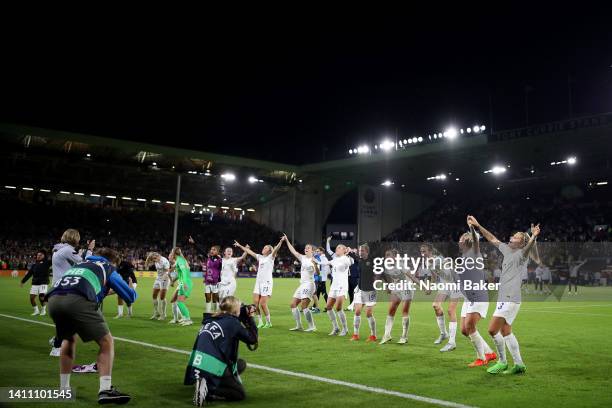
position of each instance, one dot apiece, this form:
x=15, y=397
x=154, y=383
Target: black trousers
x=322, y=290
x=230, y=389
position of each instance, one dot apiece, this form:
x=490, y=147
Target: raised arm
x=328, y=248
x=246, y=249
x=291, y=248
x=277, y=247
x=473, y=223
x=535, y=231
x=243, y=256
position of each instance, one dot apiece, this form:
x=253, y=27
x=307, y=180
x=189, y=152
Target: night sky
x=306, y=91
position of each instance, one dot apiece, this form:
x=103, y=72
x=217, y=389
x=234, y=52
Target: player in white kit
x=263, y=283
x=161, y=284
x=304, y=293
x=516, y=256
x=338, y=290
x=398, y=276
x=434, y=261
x=229, y=269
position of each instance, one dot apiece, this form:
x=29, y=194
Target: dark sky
x=303, y=91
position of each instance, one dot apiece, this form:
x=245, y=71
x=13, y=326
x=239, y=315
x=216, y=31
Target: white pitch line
x=360, y=387
x=568, y=313
x=568, y=307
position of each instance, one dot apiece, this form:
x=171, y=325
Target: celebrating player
x=396, y=275
x=229, y=269
x=365, y=294
x=444, y=276
x=516, y=255
x=160, y=286
x=304, y=293
x=181, y=266
x=340, y=265
x=263, y=283
x=476, y=302
x=39, y=272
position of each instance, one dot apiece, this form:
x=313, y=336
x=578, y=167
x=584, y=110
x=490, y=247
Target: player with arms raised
x=304, y=293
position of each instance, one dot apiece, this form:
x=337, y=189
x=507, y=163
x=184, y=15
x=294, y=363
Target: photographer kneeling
x=214, y=366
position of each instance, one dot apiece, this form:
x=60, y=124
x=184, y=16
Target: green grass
x=564, y=344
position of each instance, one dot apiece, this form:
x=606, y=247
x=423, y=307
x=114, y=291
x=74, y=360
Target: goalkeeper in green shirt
x=181, y=267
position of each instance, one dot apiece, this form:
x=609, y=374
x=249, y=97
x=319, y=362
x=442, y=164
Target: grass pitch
x=565, y=346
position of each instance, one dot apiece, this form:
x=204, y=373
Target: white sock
x=175, y=310
x=259, y=317
x=268, y=319
x=513, y=346
x=332, y=318
x=388, y=326
x=130, y=310
x=64, y=381
x=163, y=307
x=441, y=324
x=485, y=345
x=372, y=324
x=215, y=306
x=478, y=344
x=35, y=308
x=405, y=326
x=119, y=310
x=44, y=308
x=356, y=324
x=309, y=318
x=155, y=306
x=452, y=332
x=500, y=345
x=296, y=316
x=343, y=320
x=105, y=382
x=207, y=308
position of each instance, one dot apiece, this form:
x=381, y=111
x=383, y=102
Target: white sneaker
x=311, y=329
x=443, y=336
x=44, y=312
x=155, y=316
x=448, y=347
x=186, y=323
x=385, y=339
x=173, y=321
x=334, y=332
x=55, y=352
x=119, y=316
x=402, y=340
x=36, y=313
x=343, y=333
x=162, y=317
x=296, y=328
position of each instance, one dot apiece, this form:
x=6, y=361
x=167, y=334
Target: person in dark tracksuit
x=39, y=272
x=214, y=366
x=74, y=306
x=126, y=270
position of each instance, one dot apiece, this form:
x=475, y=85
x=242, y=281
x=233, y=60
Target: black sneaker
x=200, y=393
x=113, y=396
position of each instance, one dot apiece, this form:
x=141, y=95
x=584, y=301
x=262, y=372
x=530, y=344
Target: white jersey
x=514, y=266
x=229, y=269
x=265, y=267
x=162, y=266
x=307, y=269
x=340, y=268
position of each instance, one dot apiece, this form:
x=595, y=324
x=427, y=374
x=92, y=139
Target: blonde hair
x=149, y=259
x=467, y=237
x=71, y=236
x=533, y=252
x=176, y=251
x=229, y=305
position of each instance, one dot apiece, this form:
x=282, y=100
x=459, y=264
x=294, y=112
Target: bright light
x=212, y=206
x=27, y=188
x=420, y=139
x=451, y=133
x=42, y=190
x=414, y=140
x=184, y=203
x=250, y=209
x=387, y=145
x=129, y=198
x=170, y=202
x=571, y=160
x=225, y=208
x=437, y=177
x=253, y=179
x=111, y=196
x=461, y=131
x=237, y=209
x=88, y=155
x=387, y=183
x=405, y=141
x=140, y=199
x=79, y=194
x=476, y=129
x=602, y=183
x=93, y=195
x=496, y=170
x=154, y=164
x=483, y=128
x=435, y=135
x=350, y=151
x=228, y=176
x=469, y=130
x=64, y=192
x=410, y=141
x=155, y=201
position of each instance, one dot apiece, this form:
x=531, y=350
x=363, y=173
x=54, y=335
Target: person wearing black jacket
x=365, y=294
x=126, y=270
x=39, y=272
x=214, y=366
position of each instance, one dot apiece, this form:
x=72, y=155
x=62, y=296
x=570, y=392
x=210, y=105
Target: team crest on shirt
x=214, y=329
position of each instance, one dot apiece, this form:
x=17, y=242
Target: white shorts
x=474, y=307
x=38, y=290
x=402, y=295
x=227, y=289
x=338, y=289
x=211, y=288
x=263, y=288
x=507, y=310
x=453, y=294
x=161, y=284
x=367, y=297
x=305, y=291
